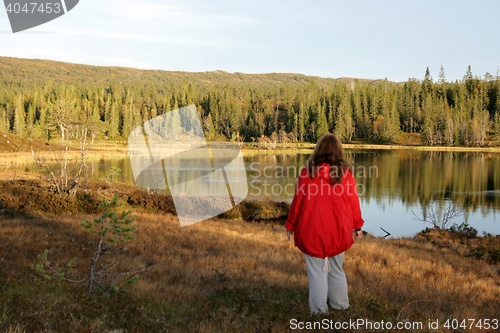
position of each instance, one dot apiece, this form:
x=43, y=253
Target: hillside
x=43, y=70
x=42, y=99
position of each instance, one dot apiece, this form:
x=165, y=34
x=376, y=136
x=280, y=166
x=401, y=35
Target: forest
x=47, y=100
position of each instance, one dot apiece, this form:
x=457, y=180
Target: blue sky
x=393, y=39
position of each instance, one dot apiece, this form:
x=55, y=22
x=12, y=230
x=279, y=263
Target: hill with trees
x=47, y=99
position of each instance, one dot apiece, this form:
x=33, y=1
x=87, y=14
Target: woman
x=325, y=218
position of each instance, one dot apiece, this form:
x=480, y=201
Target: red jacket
x=324, y=216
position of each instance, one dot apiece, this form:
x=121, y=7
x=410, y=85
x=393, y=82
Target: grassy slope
x=25, y=69
x=228, y=275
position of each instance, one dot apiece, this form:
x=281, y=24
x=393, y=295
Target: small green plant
x=112, y=174
x=489, y=253
x=48, y=272
x=110, y=228
x=463, y=229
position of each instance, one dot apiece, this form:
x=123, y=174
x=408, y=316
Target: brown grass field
x=228, y=274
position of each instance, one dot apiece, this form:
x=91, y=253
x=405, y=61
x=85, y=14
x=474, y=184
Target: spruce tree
x=496, y=127
x=469, y=81
x=19, y=116
x=113, y=121
x=426, y=88
x=4, y=121
x=344, y=126
x=302, y=119
x=321, y=123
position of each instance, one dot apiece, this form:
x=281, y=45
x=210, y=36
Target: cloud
x=75, y=56
x=118, y=37
x=179, y=16
x=140, y=23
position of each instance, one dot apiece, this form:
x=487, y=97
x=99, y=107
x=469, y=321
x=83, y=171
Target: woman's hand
x=289, y=233
x=356, y=234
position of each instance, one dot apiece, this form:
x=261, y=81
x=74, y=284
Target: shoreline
x=422, y=148
x=308, y=147
x=103, y=150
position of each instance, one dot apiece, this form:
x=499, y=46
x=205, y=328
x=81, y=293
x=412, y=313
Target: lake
x=397, y=187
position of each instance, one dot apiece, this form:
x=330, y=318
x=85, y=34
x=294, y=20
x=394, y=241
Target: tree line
x=46, y=100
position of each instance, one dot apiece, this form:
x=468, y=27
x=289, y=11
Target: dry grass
x=17, y=159
x=444, y=283
x=229, y=275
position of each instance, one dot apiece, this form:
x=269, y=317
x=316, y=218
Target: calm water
x=394, y=186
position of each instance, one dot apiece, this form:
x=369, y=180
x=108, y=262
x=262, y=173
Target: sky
x=393, y=39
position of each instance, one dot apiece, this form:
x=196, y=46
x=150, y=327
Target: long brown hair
x=328, y=150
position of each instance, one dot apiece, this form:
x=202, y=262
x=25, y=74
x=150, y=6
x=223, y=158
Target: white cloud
x=179, y=16
x=121, y=22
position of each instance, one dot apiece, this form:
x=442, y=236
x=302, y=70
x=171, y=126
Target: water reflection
x=393, y=184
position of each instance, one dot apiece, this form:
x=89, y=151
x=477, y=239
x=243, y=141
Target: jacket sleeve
x=298, y=198
x=358, y=221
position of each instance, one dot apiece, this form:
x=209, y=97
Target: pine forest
x=47, y=100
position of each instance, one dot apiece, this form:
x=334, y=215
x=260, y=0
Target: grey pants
x=327, y=281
